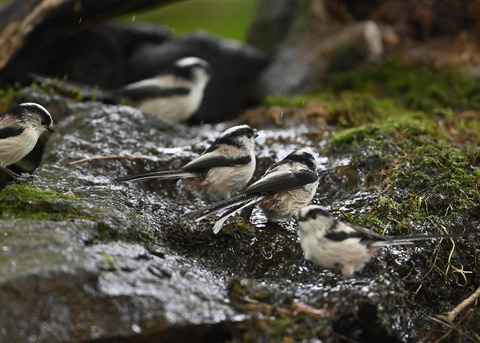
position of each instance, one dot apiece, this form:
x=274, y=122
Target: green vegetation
x=7, y=96
x=392, y=92
x=23, y=201
x=423, y=175
x=417, y=87
x=224, y=18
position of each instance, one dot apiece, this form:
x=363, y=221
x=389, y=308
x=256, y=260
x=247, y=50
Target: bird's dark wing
x=338, y=236
x=10, y=132
x=211, y=160
x=341, y=231
x=143, y=90
x=282, y=180
x=368, y=234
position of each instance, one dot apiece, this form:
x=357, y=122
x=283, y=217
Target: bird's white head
x=34, y=115
x=313, y=218
x=193, y=69
x=242, y=136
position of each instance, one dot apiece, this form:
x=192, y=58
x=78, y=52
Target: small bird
x=281, y=192
x=221, y=170
x=174, y=95
x=334, y=244
x=20, y=128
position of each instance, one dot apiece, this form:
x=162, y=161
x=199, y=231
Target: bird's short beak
x=255, y=133
x=50, y=128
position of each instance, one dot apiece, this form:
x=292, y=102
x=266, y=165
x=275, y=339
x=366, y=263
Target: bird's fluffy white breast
x=13, y=149
x=223, y=182
x=350, y=255
x=177, y=108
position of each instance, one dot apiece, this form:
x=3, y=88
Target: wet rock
x=82, y=280
x=123, y=264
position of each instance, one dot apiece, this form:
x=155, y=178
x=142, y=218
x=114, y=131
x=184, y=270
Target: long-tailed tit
x=281, y=192
x=20, y=128
x=175, y=94
x=222, y=170
x=331, y=243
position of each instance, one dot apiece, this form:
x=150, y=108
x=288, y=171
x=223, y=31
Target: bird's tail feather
x=219, y=206
x=410, y=239
x=232, y=205
x=160, y=175
x=219, y=223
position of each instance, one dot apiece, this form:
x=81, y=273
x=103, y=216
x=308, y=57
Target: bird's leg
x=12, y=174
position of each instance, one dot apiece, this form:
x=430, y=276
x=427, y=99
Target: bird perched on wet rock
x=281, y=192
x=20, y=128
x=334, y=244
x=222, y=170
x=174, y=95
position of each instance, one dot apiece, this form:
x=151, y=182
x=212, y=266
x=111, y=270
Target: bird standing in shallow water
x=334, y=244
x=20, y=128
x=281, y=192
x=222, y=170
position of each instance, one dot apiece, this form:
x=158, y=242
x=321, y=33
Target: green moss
x=417, y=172
x=394, y=92
x=65, y=88
x=22, y=201
x=290, y=101
x=389, y=131
x=7, y=98
x=417, y=87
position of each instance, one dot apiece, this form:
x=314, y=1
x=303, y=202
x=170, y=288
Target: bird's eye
x=314, y=216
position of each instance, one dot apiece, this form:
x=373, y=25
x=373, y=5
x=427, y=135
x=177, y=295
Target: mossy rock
x=24, y=201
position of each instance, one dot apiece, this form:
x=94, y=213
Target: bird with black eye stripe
x=281, y=192
x=334, y=244
x=222, y=170
x=175, y=94
x=20, y=128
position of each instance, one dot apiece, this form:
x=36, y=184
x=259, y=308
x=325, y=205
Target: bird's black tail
x=160, y=175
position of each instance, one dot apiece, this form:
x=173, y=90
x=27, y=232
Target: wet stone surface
x=128, y=266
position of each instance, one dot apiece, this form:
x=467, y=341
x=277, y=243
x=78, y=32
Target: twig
x=442, y=319
x=108, y=157
x=434, y=263
x=463, y=305
x=309, y=310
